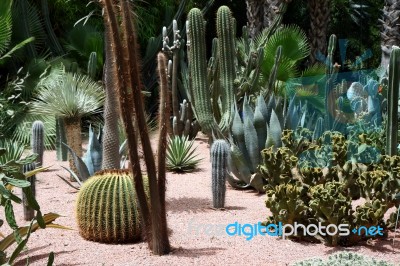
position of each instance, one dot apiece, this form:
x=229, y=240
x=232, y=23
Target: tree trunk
x=254, y=17
x=74, y=139
x=111, y=113
x=271, y=8
x=319, y=11
x=390, y=29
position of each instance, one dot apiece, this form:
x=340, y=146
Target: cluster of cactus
x=107, y=209
x=343, y=258
x=183, y=123
x=319, y=181
x=216, y=85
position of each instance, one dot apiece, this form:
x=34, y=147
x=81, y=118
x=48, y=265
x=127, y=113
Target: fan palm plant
x=69, y=97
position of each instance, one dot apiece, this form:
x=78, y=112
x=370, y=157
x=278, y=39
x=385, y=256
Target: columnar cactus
x=219, y=161
x=106, y=208
x=29, y=213
x=92, y=65
x=198, y=68
x=393, y=97
x=227, y=53
x=37, y=141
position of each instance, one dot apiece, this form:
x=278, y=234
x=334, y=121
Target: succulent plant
x=29, y=213
x=37, y=141
x=107, y=210
x=343, y=258
x=180, y=155
x=219, y=162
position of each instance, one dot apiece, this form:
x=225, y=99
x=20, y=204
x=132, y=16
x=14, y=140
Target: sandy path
x=196, y=238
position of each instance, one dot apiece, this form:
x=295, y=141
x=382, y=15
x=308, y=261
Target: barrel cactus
x=106, y=208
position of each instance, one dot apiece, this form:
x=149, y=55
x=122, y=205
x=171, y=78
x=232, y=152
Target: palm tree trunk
x=111, y=114
x=390, y=29
x=271, y=8
x=319, y=11
x=254, y=17
x=74, y=138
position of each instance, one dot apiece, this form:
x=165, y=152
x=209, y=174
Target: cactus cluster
x=343, y=258
x=107, y=210
x=311, y=181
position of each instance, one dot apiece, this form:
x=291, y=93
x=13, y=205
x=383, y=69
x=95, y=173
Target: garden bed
x=195, y=235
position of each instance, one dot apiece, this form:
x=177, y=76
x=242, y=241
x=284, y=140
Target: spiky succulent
x=181, y=156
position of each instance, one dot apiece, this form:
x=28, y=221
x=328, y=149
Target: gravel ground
x=196, y=234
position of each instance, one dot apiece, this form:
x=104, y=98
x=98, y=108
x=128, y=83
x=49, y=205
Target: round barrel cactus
x=107, y=209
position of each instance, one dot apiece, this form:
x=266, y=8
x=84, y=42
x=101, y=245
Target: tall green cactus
x=106, y=208
x=92, y=65
x=29, y=213
x=393, y=97
x=219, y=161
x=37, y=140
x=62, y=151
x=329, y=100
x=198, y=70
x=227, y=55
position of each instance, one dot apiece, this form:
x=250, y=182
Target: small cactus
x=106, y=208
x=29, y=213
x=37, y=141
x=219, y=159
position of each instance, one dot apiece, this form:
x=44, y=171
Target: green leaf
x=29, y=159
x=17, y=182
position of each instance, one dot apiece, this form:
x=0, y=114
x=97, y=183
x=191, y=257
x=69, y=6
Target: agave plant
x=180, y=155
x=70, y=97
x=90, y=163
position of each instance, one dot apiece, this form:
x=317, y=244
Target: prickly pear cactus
x=106, y=208
x=219, y=161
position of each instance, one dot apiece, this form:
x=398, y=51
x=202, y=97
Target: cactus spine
x=106, y=208
x=37, y=141
x=226, y=53
x=198, y=70
x=393, y=97
x=29, y=213
x=219, y=160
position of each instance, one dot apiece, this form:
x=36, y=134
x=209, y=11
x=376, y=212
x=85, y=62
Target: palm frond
x=22, y=132
x=14, y=150
x=68, y=95
x=5, y=24
x=293, y=40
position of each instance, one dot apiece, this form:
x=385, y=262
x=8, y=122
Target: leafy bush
x=10, y=177
x=180, y=155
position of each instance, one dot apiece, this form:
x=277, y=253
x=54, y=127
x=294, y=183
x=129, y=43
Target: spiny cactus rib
x=198, y=70
x=226, y=47
x=393, y=97
x=219, y=161
x=106, y=208
x=37, y=141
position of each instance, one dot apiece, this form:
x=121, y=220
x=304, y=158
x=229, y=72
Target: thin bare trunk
x=319, y=11
x=74, y=139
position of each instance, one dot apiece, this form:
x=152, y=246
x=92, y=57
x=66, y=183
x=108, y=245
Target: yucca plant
x=70, y=97
x=180, y=155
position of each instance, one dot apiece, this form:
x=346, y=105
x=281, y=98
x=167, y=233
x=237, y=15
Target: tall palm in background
x=261, y=14
x=69, y=97
x=319, y=11
x=390, y=29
